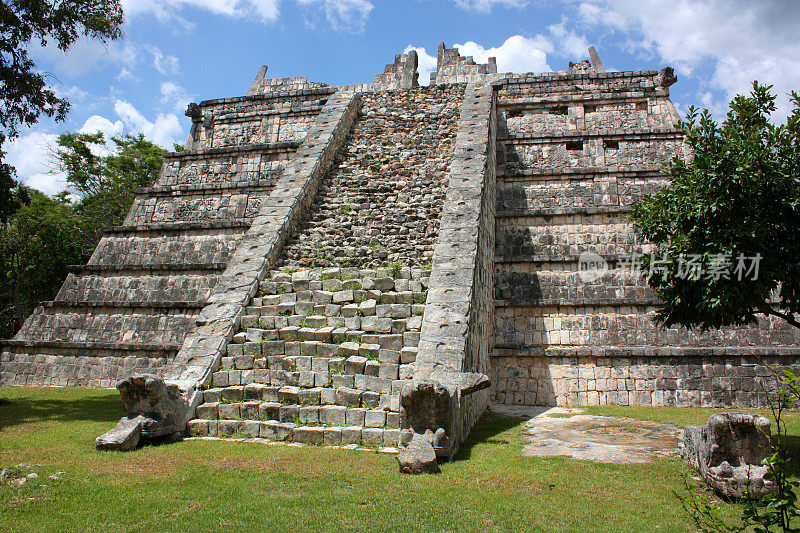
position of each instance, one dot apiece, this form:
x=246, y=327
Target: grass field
x=210, y=485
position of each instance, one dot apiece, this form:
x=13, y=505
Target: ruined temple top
x=451, y=67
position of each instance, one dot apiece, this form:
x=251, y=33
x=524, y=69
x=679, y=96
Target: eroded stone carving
x=728, y=451
x=154, y=409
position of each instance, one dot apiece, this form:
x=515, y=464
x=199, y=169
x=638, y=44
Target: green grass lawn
x=210, y=485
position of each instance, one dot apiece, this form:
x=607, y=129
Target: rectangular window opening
x=589, y=109
x=641, y=106
x=512, y=113
x=611, y=145
x=559, y=110
x=574, y=145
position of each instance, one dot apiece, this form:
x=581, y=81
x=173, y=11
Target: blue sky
x=178, y=51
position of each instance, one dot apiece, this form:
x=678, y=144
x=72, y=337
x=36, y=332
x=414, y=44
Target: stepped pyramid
x=371, y=265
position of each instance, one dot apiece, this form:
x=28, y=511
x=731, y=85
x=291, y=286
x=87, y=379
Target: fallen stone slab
x=124, y=437
x=606, y=439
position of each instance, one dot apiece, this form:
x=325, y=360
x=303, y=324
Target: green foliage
x=394, y=268
x=36, y=246
x=106, y=177
x=777, y=511
x=40, y=236
x=737, y=197
x=24, y=91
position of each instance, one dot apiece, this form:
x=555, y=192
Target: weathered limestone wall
x=685, y=380
x=382, y=200
x=576, y=150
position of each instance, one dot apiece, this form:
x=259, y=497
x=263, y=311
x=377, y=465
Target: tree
x=36, y=247
x=105, y=178
x=43, y=236
x=24, y=94
x=725, y=230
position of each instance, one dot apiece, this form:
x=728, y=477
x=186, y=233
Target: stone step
x=337, y=394
x=395, y=348
x=339, y=435
x=329, y=330
x=155, y=327
x=281, y=146
x=123, y=304
x=177, y=227
x=317, y=414
x=96, y=348
x=170, y=190
x=355, y=371
x=365, y=307
x=164, y=288
x=204, y=246
x=149, y=268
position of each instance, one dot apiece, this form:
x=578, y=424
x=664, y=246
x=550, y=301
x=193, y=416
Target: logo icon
x=591, y=267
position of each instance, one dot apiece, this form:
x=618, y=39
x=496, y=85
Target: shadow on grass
x=30, y=409
x=486, y=430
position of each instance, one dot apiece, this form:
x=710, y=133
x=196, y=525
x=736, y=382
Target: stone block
x=250, y=410
x=372, y=368
x=310, y=396
x=355, y=364
x=197, y=428
x=230, y=410
x=332, y=414
x=391, y=437
x=288, y=413
x=370, y=400
x=332, y=436
x=372, y=437
x=251, y=428
x=269, y=411
x=342, y=380
x=389, y=370
x=386, y=355
x=375, y=418
x=309, y=414
x=355, y=416
x=208, y=411
x=368, y=351
x=348, y=397
x=351, y=435
x=232, y=394
x=229, y=428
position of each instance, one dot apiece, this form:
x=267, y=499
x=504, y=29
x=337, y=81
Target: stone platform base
x=702, y=381
x=24, y=369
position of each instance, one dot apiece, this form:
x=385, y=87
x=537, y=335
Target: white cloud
x=175, y=96
x=97, y=123
x=164, y=130
x=742, y=40
x=164, y=64
x=32, y=154
x=170, y=10
x=568, y=42
x=426, y=63
x=485, y=6
x=516, y=54
x=85, y=55
x=342, y=15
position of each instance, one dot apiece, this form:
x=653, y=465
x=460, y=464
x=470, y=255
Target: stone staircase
x=320, y=359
